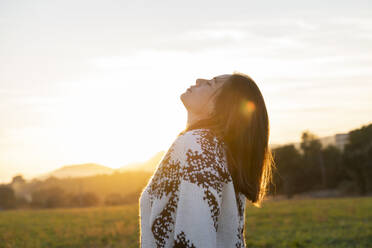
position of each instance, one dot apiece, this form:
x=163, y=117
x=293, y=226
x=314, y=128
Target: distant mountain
x=148, y=166
x=79, y=170
x=92, y=169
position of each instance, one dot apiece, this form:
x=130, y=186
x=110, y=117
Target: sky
x=100, y=81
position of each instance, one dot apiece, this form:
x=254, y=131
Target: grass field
x=332, y=222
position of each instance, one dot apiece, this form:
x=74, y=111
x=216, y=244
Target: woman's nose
x=198, y=81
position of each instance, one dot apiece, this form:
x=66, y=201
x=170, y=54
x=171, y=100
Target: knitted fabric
x=190, y=200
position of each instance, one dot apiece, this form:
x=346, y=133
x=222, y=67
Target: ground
x=326, y=222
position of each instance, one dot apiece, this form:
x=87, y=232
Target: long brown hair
x=240, y=118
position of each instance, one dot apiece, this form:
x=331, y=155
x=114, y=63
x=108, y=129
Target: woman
x=196, y=197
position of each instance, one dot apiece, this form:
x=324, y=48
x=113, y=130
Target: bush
x=85, y=199
x=48, y=198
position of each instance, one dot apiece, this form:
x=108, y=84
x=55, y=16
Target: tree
x=332, y=156
x=313, y=159
x=357, y=158
x=7, y=197
x=18, y=179
x=288, y=162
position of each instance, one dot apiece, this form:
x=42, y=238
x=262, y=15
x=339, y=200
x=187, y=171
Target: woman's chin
x=184, y=96
x=185, y=93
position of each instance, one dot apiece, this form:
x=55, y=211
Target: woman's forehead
x=223, y=76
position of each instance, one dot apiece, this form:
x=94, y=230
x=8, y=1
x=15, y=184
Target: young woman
x=197, y=195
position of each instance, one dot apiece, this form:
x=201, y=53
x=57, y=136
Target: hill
x=92, y=169
x=78, y=170
x=148, y=166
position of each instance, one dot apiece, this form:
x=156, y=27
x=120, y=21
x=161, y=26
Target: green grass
x=332, y=222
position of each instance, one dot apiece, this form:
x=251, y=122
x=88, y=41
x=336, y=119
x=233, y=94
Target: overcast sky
x=100, y=81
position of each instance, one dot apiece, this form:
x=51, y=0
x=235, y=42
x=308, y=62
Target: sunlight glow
x=94, y=93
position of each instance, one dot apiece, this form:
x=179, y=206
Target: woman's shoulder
x=200, y=139
x=200, y=145
x=194, y=132
x=204, y=158
x=198, y=134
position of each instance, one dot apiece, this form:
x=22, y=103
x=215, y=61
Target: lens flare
x=248, y=107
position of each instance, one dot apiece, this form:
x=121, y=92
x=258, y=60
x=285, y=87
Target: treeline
x=313, y=167
x=100, y=190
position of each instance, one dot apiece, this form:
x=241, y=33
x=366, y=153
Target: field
x=331, y=222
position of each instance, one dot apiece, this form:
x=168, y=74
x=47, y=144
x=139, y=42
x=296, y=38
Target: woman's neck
x=192, y=119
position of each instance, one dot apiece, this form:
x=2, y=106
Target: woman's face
x=199, y=98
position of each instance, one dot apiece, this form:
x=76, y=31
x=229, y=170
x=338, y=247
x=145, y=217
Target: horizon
x=31, y=177
x=91, y=81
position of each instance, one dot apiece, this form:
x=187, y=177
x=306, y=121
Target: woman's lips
x=191, y=87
